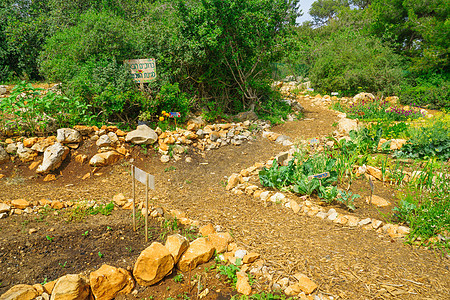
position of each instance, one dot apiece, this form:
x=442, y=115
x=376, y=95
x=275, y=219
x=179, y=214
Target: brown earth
x=347, y=263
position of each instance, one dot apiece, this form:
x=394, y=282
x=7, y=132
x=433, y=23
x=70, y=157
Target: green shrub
x=432, y=91
x=348, y=61
x=27, y=110
x=430, y=140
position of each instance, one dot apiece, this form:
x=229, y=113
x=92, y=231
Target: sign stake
x=146, y=207
x=134, y=198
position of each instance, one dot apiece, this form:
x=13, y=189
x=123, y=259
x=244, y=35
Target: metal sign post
x=149, y=181
x=371, y=188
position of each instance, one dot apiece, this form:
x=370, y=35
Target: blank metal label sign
x=319, y=176
x=140, y=176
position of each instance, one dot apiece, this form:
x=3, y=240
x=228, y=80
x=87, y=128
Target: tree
x=323, y=11
x=234, y=41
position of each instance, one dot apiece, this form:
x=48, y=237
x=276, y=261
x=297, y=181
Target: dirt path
x=345, y=262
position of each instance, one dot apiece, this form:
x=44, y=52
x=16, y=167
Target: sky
x=304, y=6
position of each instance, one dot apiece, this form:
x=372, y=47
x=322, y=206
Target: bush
x=26, y=110
x=171, y=99
x=348, y=61
x=432, y=91
x=430, y=140
x=88, y=59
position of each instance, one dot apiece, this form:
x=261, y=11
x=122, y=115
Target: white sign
x=140, y=176
x=142, y=70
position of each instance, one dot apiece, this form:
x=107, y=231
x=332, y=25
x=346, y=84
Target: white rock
x=142, y=135
x=53, y=157
x=103, y=141
x=240, y=253
x=68, y=136
x=277, y=197
x=333, y=216
x=165, y=158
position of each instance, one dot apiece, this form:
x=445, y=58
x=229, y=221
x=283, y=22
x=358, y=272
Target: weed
x=178, y=278
x=347, y=199
x=171, y=168
x=49, y=238
x=100, y=254
x=129, y=249
x=63, y=265
x=188, y=181
x=45, y=281
x=104, y=209
x=230, y=272
x=85, y=233
x=108, y=228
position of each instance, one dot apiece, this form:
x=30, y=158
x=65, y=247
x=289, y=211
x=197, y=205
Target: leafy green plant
x=63, y=265
x=49, y=238
x=178, y=278
x=85, y=233
x=347, y=198
x=104, y=209
x=305, y=186
x=28, y=110
x=100, y=254
x=430, y=140
x=230, y=272
x=328, y=193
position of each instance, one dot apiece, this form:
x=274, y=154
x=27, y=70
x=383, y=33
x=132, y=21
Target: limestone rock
x=242, y=284
x=220, y=241
x=104, y=159
x=29, y=142
x=207, y=229
x=364, y=96
x=396, y=144
x=25, y=154
x=199, y=251
x=70, y=287
x=68, y=136
x=346, y=125
x=11, y=148
x=41, y=145
x=84, y=130
x=233, y=181
x=20, y=203
x=4, y=208
x=165, y=158
x=107, y=282
x=103, y=141
x=294, y=206
x=142, y=135
x=305, y=284
x=377, y=201
x=176, y=244
x=153, y=264
x=250, y=257
x=375, y=172
x=4, y=157
x=53, y=157
x=120, y=199
x=20, y=292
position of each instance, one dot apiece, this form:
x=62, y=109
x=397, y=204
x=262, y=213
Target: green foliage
x=430, y=140
x=36, y=113
x=389, y=129
x=328, y=193
x=349, y=60
x=431, y=90
x=88, y=59
x=234, y=43
x=171, y=99
x=427, y=213
x=347, y=198
x=230, y=272
x=104, y=209
x=323, y=11
x=379, y=110
x=295, y=175
x=178, y=278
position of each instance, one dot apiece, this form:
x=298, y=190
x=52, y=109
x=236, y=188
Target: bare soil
x=347, y=263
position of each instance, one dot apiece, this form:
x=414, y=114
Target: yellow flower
x=163, y=112
x=161, y=119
